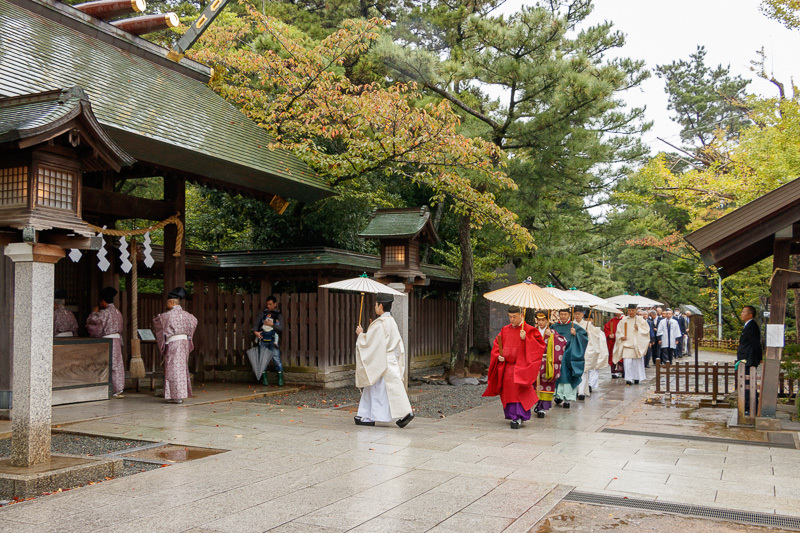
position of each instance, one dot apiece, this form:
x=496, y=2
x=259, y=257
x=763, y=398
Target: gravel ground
x=428, y=401
x=87, y=445
x=80, y=444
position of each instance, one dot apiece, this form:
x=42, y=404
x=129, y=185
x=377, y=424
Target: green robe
x=572, y=362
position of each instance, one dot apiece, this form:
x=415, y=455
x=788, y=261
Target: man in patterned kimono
x=106, y=322
x=551, y=364
x=596, y=355
x=64, y=323
x=380, y=369
x=514, y=366
x=173, y=331
x=573, y=363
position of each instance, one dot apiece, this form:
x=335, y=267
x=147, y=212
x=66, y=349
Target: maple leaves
x=297, y=92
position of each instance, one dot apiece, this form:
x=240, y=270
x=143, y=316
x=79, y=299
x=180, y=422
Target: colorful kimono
x=64, y=323
x=107, y=323
x=173, y=331
x=380, y=372
x=573, y=362
x=550, y=371
x=513, y=379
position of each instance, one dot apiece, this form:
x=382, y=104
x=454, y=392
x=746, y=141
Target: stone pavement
x=307, y=469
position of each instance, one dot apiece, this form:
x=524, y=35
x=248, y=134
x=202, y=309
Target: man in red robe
x=516, y=360
x=610, y=330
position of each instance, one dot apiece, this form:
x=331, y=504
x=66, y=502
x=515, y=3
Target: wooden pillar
x=323, y=324
x=174, y=267
x=777, y=316
x=200, y=334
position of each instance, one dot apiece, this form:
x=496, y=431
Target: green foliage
x=704, y=100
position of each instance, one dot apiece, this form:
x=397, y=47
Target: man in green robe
x=572, y=363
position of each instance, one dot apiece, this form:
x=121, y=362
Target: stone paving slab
x=311, y=469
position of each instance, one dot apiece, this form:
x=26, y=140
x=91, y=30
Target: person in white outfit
x=669, y=332
x=596, y=355
x=380, y=367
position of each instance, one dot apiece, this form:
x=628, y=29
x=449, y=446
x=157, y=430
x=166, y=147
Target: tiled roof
x=400, y=223
x=159, y=114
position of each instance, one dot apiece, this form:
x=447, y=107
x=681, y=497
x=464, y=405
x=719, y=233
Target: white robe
x=636, y=340
x=380, y=369
x=596, y=355
x=669, y=337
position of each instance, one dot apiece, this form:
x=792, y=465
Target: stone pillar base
x=61, y=472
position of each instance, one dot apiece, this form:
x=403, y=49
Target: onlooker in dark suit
x=749, y=349
x=652, y=353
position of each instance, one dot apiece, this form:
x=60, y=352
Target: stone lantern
x=401, y=232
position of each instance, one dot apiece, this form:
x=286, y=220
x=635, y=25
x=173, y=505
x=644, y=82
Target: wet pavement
x=292, y=468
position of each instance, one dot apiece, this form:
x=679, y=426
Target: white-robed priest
x=633, y=339
x=380, y=367
x=596, y=355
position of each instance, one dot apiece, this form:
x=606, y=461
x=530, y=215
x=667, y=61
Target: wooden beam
x=68, y=242
x=772, y=358
x=122, y=206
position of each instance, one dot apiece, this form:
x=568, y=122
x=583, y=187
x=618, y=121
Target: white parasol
x=527, y=295
x=361, y=284
x=624, y=299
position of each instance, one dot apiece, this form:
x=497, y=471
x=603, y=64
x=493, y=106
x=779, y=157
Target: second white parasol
x=362, y=284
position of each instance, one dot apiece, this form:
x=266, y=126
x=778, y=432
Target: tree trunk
x=458, y=352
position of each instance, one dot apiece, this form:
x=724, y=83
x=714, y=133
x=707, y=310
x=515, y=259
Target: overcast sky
x=664, y=31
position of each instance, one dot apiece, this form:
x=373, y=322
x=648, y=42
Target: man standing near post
x=749, y=349
x=514, y=366
x=173, y=331
x=380, y=368
x=633, y=340
x=106, y=322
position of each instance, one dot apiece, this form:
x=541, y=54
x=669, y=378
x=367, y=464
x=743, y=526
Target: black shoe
x=614, y=376
x=516, y=424
x=628, y=383
x=566, y=405
x=635, y=381
x=360, y=422
x=558, y=401
x=540, y=414
x=590, y=389
x=581, y=397
x=403, y=422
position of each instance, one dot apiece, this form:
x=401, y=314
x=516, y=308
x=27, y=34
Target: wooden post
x=323, y=324
x=740, y=392
x=772, y=359
x=174, y=267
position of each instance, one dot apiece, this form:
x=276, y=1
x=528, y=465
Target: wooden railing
x=706, y=379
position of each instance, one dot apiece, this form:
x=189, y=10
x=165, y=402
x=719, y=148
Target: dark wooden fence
x=318, y=335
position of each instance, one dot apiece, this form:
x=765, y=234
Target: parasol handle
x=522, y=327
x=361, y=309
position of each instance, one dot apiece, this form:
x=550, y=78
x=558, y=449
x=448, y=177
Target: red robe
x=611, y=329
x=513, y=378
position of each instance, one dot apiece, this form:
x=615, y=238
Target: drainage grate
x=732, y=515
x=785, y=444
